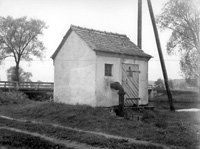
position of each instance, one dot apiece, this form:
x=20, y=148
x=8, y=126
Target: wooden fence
x=26, y=85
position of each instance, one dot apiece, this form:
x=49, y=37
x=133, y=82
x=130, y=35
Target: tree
x=191, y=82
x=19, y=39
x=182, y=17
x=159, y=84
x=23, y=76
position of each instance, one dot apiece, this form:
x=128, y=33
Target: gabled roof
x=105, y=42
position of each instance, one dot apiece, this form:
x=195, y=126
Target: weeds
x=148, y=116
x=13, y=97
x=15, y=140
x=65, y=134
x=161, y=123
x=160, y=126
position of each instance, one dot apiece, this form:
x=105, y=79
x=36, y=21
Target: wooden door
x=130, y=83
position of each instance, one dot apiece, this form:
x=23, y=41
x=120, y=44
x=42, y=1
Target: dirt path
x=66, y=143
x=130, y=140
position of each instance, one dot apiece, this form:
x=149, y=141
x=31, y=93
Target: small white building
x=87, y=61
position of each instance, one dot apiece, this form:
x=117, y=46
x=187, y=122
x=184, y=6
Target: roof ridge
x=98, y=31
x=104, y=41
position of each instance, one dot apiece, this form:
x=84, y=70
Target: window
x=108, y=70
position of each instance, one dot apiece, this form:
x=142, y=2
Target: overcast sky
x=118, y=16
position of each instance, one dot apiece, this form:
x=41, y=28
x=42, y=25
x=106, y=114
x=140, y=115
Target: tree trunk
x=198, y=83
x=17, y=72
x=198, y=68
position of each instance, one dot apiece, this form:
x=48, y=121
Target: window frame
x=108, y=70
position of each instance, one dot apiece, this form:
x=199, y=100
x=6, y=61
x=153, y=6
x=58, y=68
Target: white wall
x=108, y=97
x=74, y=75
x=105, y=96
x=79, y=74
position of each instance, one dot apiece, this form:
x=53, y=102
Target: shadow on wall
x=107, y=96
x=107, y=82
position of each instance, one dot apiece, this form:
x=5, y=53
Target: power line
x=84, y=60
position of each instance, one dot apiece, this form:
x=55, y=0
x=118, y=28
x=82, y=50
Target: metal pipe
x=121, y=93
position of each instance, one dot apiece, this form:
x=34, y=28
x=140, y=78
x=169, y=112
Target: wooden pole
x=139, y=37
x=170, y=99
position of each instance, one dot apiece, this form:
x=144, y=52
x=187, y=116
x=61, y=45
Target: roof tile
x=109, y=42
x=105, y=42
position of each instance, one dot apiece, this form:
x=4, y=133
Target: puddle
x=188, y=110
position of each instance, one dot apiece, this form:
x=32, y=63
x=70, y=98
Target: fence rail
x=26, y=85
x=150, y=86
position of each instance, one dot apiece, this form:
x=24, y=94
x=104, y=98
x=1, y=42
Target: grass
x=180, y=96
x=181, y=100
x=60, y=133
x=15, y=140
x=161, y=126
x=13, y=97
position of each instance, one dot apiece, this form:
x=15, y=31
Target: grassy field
x=161, y=126
x=15, y=140
x=182, y=100
x=179, y=96
x=64, y=134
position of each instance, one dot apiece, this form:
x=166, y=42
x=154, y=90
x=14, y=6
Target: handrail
x=150, y=86
x=24, y=85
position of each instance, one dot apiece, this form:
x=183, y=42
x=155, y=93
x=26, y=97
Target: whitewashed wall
x=108, y=97
x=79, y=74
x=105, y=96
x=74, y=74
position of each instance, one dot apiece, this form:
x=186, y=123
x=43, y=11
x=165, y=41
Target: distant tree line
x=176, y=84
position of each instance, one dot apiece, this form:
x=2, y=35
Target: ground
x=158, y=128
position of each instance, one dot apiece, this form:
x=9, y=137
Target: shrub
x=161, y=123
x=13, y=97
x=148, y=116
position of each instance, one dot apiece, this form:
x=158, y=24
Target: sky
x=118, y=16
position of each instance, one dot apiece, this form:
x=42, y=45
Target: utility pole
x=170, y=99
x=139, y=35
